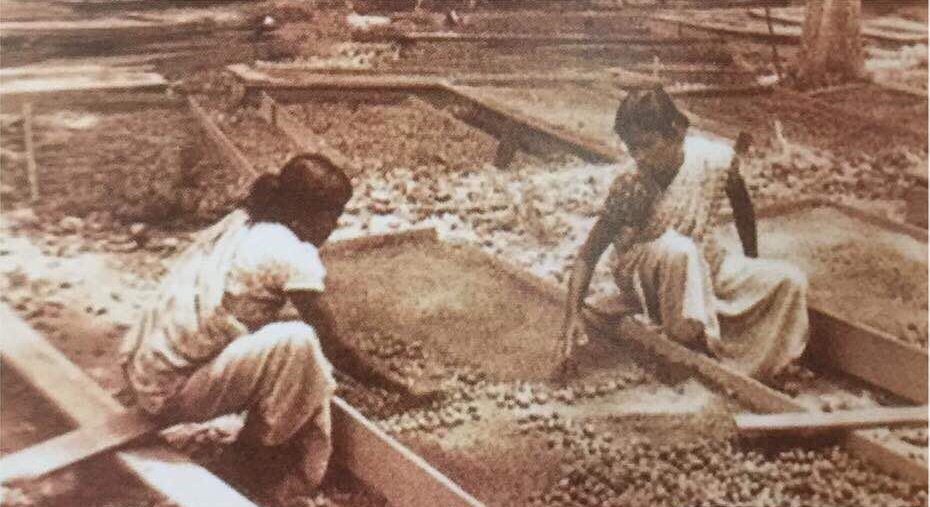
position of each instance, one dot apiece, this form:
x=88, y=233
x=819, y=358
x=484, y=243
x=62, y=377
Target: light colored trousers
x=751, y=312
x=280, y=376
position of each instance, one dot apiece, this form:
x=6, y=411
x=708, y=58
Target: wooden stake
x=31, y=168
x=775, y=58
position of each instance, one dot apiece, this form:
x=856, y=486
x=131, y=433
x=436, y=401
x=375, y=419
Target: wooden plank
x=869, y=27
x=32, y=169
x=714, y=91
x=85, y=403
x=75, y=446
x=297, y=78
x=91, y=30
x=724, y=29
x=810, y=422
x=226, y=148
x=868, y=354
x=672, y=68
x=393, y=470
x=544, y=39
x=901, y=88
x=31, y=71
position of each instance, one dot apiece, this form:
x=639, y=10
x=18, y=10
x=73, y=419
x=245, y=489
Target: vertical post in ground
x=32, y=170
x=775, y=59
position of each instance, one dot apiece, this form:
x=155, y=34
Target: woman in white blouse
x=213, y=342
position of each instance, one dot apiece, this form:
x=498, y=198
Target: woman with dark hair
x=660, y=217
x=213, y=343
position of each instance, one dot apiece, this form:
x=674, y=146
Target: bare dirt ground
x=82, y=263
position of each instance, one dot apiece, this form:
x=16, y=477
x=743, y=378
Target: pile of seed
x=468, y=396
x=712, y=473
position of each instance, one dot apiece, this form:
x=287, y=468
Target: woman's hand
x=574, y=333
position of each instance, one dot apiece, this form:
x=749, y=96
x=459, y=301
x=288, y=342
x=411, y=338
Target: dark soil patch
x=126, y=164
x=884, y=105
x=407, y=134
x=813, y=122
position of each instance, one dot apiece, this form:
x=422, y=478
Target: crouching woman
x=212, y=342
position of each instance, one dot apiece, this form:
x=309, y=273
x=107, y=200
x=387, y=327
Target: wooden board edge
x=808, y=422
x=227, y=150
x=373, y=241
x=869, y=446
x=868, y=354
x=389, y=467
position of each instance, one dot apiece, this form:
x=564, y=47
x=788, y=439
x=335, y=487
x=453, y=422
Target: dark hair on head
x=307, y=183
x=648, y=112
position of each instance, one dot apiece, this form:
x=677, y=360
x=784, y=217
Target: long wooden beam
x=85, y=403
x=99, y=29
x=868, y=28
x=530, y=39
x=816, y=422
x=226, y=148
x=393, y=470
x=730, y=30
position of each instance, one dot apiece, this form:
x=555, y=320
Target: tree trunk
x=831, y=51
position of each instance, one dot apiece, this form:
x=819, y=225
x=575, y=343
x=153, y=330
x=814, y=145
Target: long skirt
x=752, y=313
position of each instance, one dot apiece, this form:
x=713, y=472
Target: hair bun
x=263, y=193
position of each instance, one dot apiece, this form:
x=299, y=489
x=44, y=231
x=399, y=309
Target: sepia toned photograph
x=463, y=253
